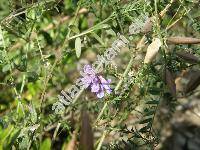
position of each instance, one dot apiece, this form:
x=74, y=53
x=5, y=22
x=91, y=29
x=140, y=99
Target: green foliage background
x=38, y=59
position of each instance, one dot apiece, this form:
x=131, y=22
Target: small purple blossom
x=97, y=83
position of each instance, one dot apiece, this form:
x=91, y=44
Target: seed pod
x=183, y=40
x=86, y=136
x=188, y=57
x=170, y=82
x=147, y=25
x=193, y=82
x=152, y=50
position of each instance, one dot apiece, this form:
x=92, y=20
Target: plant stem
x=102, y=139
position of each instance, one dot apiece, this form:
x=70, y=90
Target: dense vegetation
x=152, y=100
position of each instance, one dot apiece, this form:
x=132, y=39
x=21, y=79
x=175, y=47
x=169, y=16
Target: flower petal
x=95, y=87
x=109, y=90
x=103, y=80
x=100, y=94
x=86, y=81
x=105, y=84
x=88, y=70
x=109, y=80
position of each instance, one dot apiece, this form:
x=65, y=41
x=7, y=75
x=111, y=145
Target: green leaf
x=145, y=121
x=102, y=26
x=149, y=113
x=6, y=68
x=98, y=39
x=21, y=64
x=155, y=102
x=105, y=26
x=144, y=129
x=111, y=32
x=33, y=114
x=32, y=76
x=24, y=142
x=114, y=23
x=46, y=144
x=154, y=90
x=137, y=135
x=74, y=29
x=5, y=134
x=47, y=37
x=78, y=47
x=13, y=137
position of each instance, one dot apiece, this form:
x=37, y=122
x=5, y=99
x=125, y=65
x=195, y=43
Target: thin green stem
x=125, y=73
x=101, y=140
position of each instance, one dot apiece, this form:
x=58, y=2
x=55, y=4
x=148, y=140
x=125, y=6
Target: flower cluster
x=91, y=78
x=96, y=82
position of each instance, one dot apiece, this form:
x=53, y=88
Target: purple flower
x=88, y=75
x=88, y=70
x=96, y=82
